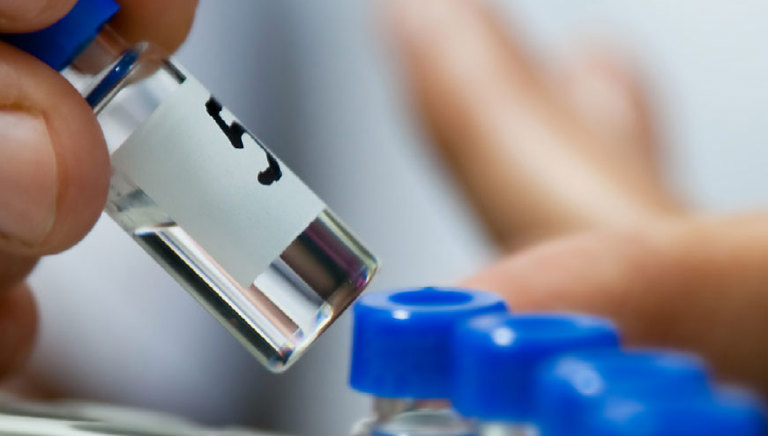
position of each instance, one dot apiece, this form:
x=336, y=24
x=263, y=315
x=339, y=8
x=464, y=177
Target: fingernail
x=601, y=94
x=403, y=14
x=28, y=177
x=418, y=18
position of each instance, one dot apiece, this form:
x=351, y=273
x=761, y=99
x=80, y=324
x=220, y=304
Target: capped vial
x=203, y=196
x=724, y=413
x=401, y=355
x=496, y=359
x=571, y=387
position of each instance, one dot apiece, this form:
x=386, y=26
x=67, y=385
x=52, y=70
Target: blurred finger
x=513, y=147
x=166, y=23
x=695, y=285
x=31, y=15
x=611, y=101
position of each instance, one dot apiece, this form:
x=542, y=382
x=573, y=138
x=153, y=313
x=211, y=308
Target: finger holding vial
x=54, y=171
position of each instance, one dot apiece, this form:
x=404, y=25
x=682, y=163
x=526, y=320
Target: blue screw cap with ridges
x=730, y=413
x=497, y=357
x=403, y=339
x=572, y=385
x=59, y=44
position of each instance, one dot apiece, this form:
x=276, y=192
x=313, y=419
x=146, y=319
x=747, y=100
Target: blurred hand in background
x=562, y=169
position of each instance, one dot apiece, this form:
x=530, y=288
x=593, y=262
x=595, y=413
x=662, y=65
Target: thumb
x=54, y=171
x=54, y=168
x=698, y=285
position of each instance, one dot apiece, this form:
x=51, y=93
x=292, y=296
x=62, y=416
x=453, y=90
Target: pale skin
x=565, y=180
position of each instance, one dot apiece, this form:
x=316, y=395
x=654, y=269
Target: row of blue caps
x=565, y=373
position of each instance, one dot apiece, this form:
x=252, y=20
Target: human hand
x=54, y=171
x=570, y=164
x=537, y=154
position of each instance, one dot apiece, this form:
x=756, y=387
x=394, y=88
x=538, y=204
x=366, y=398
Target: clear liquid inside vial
x=287, y=306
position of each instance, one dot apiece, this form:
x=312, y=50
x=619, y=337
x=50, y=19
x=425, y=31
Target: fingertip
x=429, y=24
x=401, y=17
x=608, y=93
x=165, y=23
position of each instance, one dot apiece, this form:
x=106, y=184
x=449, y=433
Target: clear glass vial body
x=400, y=417
x=319, y=267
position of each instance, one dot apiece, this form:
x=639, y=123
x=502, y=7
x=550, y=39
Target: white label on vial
x=228, y=192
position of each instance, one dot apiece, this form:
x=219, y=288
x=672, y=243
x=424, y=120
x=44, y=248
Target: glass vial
x=402, y=352
x=203, y=196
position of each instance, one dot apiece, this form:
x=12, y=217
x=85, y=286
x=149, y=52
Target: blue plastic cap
x=572, y=385
x=402, y=343
x=59, y=44
x=497, y=356
x=724, y=413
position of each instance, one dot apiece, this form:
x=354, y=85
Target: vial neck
x=109, y=64
x=506, y=429
x=386, y=408
x=103, y=51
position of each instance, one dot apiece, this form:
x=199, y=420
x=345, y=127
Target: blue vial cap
x=497, y=357
x=728, y=413
x=402, y=343
x=571, y=386
x=59, y=44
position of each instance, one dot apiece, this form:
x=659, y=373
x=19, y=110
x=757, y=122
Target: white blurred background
x=316, y=82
